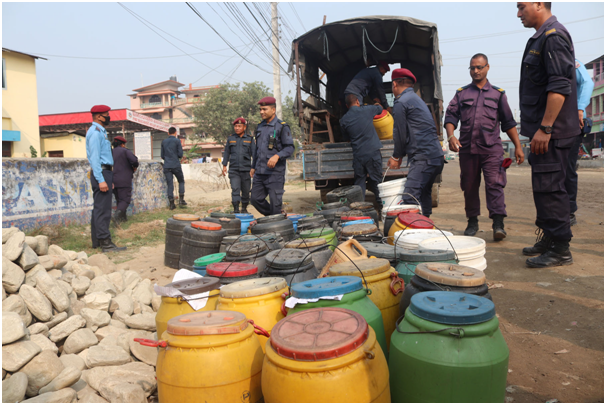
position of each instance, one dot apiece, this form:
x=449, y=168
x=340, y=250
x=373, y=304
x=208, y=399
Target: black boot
x=558, y=254
x=542, y=245
x=573, y=220
x=498, y=227
x=108, y=246
x=118, y=217
x=172, y=204
x=182, y=203
x=236, y=205
x=124, y=217
x=472, y=226
x=244, y=205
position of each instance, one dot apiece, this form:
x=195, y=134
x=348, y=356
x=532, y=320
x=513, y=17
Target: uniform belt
x=107, y=167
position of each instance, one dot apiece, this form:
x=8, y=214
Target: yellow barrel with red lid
x=409, y=221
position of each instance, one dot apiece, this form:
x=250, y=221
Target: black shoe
x=244, y=205
x=172, y=204
x=119, y=216
x=573, y=220
x=498, y=227
x=236, y=207
x=472, y=226
x=557, y=255
x=108, y=246
x=182, y=203
x=124, y=217
x=542, y=245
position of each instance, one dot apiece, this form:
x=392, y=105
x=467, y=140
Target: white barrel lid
x=410, y=238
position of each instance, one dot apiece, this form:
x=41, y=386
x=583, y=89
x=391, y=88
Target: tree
x=291, y=119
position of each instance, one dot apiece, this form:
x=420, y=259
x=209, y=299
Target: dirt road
x=552, y=319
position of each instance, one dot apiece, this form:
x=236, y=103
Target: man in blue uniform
x=172, y=152
x=358, y=125
x=415, y=136
x=584, y=90
x=239, y=151
x=99, y=154
x=548, y=102
x=274, y=145
x=125, y=164
x=369, y=82
x=480, y=107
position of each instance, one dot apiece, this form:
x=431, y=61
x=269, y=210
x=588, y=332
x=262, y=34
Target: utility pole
x=276, y=57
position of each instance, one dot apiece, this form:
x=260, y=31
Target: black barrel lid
x=382, y=251
x=359, y=229
x=197, y=285
x=271, y=218
x=360, y=205
x=287, y=258
x=221, y=215
x=238, y=249
x=427, y=256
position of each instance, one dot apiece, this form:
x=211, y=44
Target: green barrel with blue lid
x=408, y=261
x=448, y=348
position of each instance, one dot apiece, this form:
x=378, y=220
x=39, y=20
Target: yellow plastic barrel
x=175, y=306
x=260, y=299
x=384, y=125
x=386, y=286
x=408, y=221
x=210, y=356
x=324, y=355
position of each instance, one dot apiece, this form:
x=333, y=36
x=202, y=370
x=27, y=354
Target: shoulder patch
x=577, y=64
x=283, y=123
x=498, y=89
x=462, y=88
x=551, y=31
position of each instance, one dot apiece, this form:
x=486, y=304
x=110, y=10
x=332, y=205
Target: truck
x=327, y=58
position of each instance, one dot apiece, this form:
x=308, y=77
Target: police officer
x=358, y=125
x=369, y=81
x=172, y=152
x=548, y=101
x=99, y=154
x=480, y=107
x=415, y=136
x=584, y=90
x=125, y=164
x=274, y=145
x=239, y=151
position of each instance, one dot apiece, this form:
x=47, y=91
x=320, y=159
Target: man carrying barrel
x=369, y=82
x=239, y=151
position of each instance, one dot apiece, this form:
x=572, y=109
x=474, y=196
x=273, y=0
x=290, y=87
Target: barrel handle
x=369, y=355
x=151, y=343
x=283, y=306
x=395, y=279
x=319, y=207
x=258, y=330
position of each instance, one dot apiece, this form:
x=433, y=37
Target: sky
x=99, y=52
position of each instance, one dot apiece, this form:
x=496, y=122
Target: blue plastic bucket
x=245, y=220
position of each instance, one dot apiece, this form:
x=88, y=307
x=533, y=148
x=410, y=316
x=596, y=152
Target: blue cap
x=358, y=221
x=451, y=308
x=323, y=287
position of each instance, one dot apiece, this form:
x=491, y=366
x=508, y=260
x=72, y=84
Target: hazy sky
x=84, y=31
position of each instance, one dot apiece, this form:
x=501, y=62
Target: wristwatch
x=546, y=129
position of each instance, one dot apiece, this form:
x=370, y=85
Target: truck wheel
x=323, y=192
x=435, y=195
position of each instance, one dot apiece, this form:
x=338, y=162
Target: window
x=155, y=99
x=156, y=116
x=55, y=153
x=3, y=76
x=6, y=148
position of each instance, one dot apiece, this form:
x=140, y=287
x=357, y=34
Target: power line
x=268, y=37
x=298, y=18
x=134, y=58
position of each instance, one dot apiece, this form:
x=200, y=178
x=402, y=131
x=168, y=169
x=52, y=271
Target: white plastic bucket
x=470, y=250
x=394, y=199
x=391, y=192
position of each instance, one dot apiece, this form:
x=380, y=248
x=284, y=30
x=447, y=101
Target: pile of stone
x=68, y=324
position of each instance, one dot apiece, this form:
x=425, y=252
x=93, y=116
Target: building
x=595, y=110
x=20, y=130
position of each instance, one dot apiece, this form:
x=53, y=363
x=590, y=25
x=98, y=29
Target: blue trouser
x=240, y=183
x=123, y=197
x=372, y=167
x=495, y=179
x=420, y=179
x=264, y=185
x=572, y=178
x=102, y=208
x=549, y=191
x=168, y=173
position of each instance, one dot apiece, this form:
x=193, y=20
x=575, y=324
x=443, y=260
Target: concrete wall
x=57, y=191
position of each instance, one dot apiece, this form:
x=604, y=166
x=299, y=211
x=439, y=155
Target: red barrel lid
x=422, y=222
x=207, y=323
x=353, y=218
x=231, y=269
x=383, y=114
x=319, y=334
x=208, y=226
x=396, y=212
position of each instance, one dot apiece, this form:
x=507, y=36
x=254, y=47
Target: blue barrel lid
x=358, y=221
x=295, y=218
x=322, y=287
x=451, y=308
x=244, y=216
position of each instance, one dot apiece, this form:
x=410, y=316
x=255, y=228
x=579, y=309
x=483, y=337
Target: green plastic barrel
x=326, y=232
x=355, y=298
x=408, y=261
x=448, y=348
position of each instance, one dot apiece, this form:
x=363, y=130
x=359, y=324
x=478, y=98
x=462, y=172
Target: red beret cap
x=384, y=65
x=402, y=73
x=100, y=109
x=119, y=138
x=267, y=101
x=239, y=121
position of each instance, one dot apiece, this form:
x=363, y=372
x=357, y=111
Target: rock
x=98, y=272
x=108, y=330
x=122, y=302
x=14, y=303
x=18, y=354
x=42, y=246
x=121, y=389
x=66, y=286
x=67, y=377
x=77, y=307
x=97, y=300
x=41, y=370
x=68, y=277
x=32, y=242
x=36, y=303
x=131, y=279
x=14, y=387
x=55, y=273
x=56, y=320
x=80, y=340
x=51, y=289
x=147, y=309
x=80, y=284
x=82, y=258
x=120, y=316
x=82, y=356
x=66, y=395
x=66, y=328
x=95, y=318
x=7, y=233
x=83, y=270
x=44, y=343
x=106, y=356
x=102, y=284
x=156, y=302
x=57, y=251
x=13, y=247
x=72, y=360
x=145, y=321
x=117, y=279
x=137, y=307
x=145, y=375
x=121, y=341
x=28, y=258
x=146, y=354
x=72, y=255
x=52, y=261
x=103, y=262
x=38, y=327
x=12, y=276
x=142, y=293
x=91, y=398
x=32, y=274
x=13, y=327
x=3, y=293
x=118, y=324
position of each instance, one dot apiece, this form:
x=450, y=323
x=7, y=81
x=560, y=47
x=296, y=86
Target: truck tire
x=351, y=193
x=435, y=195
x=323, y=193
